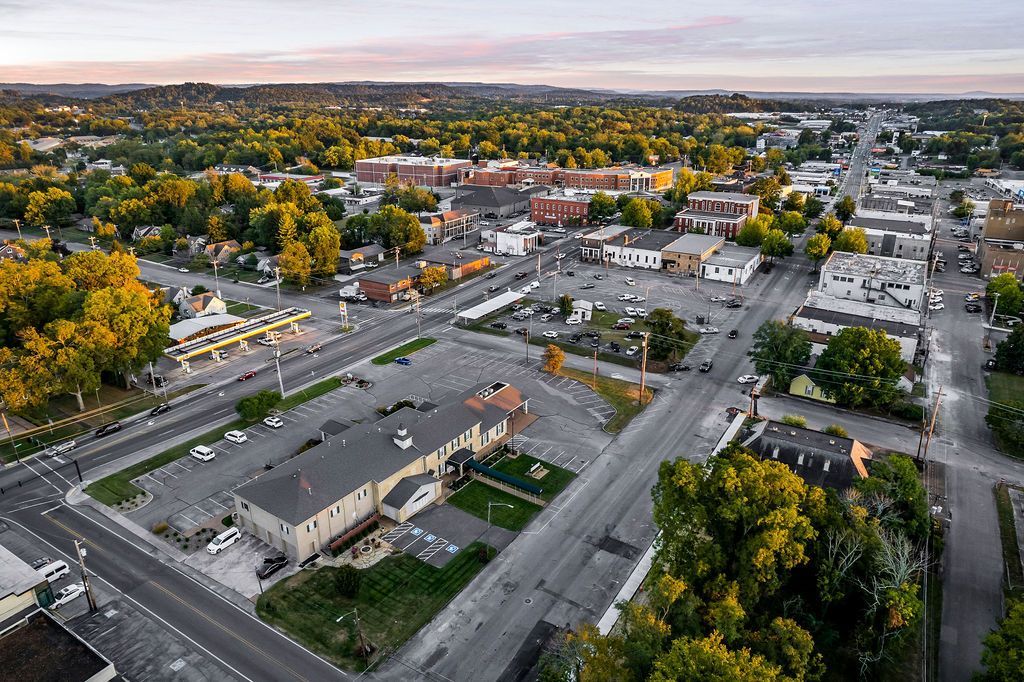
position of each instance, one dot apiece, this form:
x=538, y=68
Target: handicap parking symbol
x=417, y=531
x=429, y=538
x=451, y=549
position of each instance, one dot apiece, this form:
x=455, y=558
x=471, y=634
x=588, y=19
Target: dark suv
x=678, y=367
x=271, y=565
x=106, y=429
x=706, y=365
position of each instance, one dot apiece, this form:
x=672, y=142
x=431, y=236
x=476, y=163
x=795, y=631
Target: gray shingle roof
x=405, y=489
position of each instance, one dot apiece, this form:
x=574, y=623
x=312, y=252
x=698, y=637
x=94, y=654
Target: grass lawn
x=622, y=395
x=1013, y=574
x=239, y=308
x=585, y=351
x=1004, y=387
x=396, y=597
x=314, y=391
x=474, y=496
x=553, y=482
x=404, y=349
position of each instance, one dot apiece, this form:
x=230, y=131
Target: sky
x=905, y=46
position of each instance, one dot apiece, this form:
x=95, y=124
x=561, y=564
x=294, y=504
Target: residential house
x=391, y=467
x=197, y=244
x=805, y=387
x=202, y=305
x=222, y=252
x=144, y=231
x=368, y=253
x=448, y=225
x=820, y=459
x=11, y=251
x=174, y=295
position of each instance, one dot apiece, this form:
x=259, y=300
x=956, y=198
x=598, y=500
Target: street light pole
x=216, y=279
x=359, y=631
x=277, y=362
x=277, y=285
x=995, y=304
x=489, y=505
x=80, y=552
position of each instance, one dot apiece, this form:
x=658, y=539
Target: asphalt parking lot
x=440, y=532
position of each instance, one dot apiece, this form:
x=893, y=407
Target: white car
x=545, y=317
x=718, y=299
x=560, y=256
x=630, y=282
x=534, y=285
x=182, y=269
x=968, y=270
x=578, y=235
x=273, y=422
x=632, y=350
x=599, y=306
x=641, y=312
x=202, y=453
x=525, y=290
x=66, y=595
x=551, y=334
x=625, y=297
x=573, y=321
x=264, y=341
x=748, y=379
x=625, y=320
x=639, y=299
x=236, y=436
x=61, y=448
x=708, y=330
x=938, y=292
x=631, y=312
x=936, y=306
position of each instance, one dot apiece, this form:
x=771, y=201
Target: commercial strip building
x=893, y=282
x=206, y=334
x=685, y=254
x=625, y=178
x=637, y=248
x=1001, y=248
x=390, y=468
x=518, y=239
x=592, y=243
x=721, y=214
x=895, y=235
x=824, y=316
x=732, y=264
x=423, y=171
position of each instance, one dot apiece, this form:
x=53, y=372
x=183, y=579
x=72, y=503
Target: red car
x=248, y=375
x=621, y=325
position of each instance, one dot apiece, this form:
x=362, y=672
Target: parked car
x=635, y=335
x=641, y=312
x=734, y=303
x=107, y=429
x=315, y=348
x=748, y=379
x=626, y=320
x=630, y=282
x=545, y=317
x=632, y=350
x=972, y=297
x=202, y=453
x=968, y=270
x=615, y=347
x=570, y=273
x=273, y=422
x=625, y=297
x=522, y=331
x=40, y=562
x=592, y=333
x=499, y=325
x=621, y=325
x=550, y=334
x=224, y=540
x=639, y=299
x=706, y=365
x=405, y=362
x=718, y=299
x=990, y=363
x=182, y=269
x=271, y=565
x=972, y=308
x=237, y=437
x=572, y=320
x=678, y=367
x=66, y=595
x=599, y=276
x=733, y=333
x=936, y=306
x=598, y=305
x=631, y=311
x=575, y=338
x=247, y=375
x=588, y=285
x=159, y=409
x=264, y=341
x=708, y=330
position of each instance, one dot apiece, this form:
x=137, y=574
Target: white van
x=54, y=571
x=225, y=539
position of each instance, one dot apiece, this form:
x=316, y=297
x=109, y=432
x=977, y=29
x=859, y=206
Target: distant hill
x=73, y=90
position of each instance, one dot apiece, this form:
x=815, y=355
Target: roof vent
x=792, y=433
x=831, y=441
x=774, y=428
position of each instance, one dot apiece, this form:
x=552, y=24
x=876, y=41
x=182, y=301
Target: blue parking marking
x=451, y=549
x=417, y=531
x=429, y=538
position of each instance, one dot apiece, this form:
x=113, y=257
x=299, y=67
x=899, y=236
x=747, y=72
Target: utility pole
x=931, y=427
x=92, y=242
x=595, y=369
x=359, y=631
x=277, y=285
x=398, y=250
x=10, y=435
x=277, y=362
x=47, y=228
x=643, y=369
x=80, y=551
x=17, y=226
x=216, y=279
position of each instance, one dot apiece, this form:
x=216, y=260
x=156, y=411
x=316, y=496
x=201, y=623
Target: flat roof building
x=732, y=264
x=686, y=253
x=424, y=171
x=898, y=282
x=637, y=248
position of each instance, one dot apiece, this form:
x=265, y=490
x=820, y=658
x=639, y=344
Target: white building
x=638, y=248
x=825, y=316
x=732, y=264
x=519, y=239
x=895, y=235
x=894, y=282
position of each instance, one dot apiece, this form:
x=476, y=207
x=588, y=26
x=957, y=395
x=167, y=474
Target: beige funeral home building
x=391, y=468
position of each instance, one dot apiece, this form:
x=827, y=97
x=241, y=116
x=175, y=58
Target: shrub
x=160, y=527
x=347, y=579
x=909, y=411
x=257, y=406
x=795, y=420
x=227, y=521
x=836, y=430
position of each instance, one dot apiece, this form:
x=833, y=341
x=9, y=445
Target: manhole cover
x=527, y=601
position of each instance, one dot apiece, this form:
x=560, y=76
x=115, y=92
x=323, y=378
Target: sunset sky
x=838, y=45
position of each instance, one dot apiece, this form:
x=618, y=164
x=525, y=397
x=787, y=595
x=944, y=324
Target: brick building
x=1001, y=248
x=722, y=214
x=626, y=178
x=423, y=171
x=447, y=225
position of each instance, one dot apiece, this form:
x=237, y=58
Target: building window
x=364, y=492
x=809, y=389
x=310, y=527
x=285, y=529
x=245, y=506
x=336, y=511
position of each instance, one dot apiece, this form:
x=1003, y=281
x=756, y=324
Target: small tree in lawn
x=554, y=357
x=257, y=406
x=347, y=579
x=565, y=305
x=797, y=420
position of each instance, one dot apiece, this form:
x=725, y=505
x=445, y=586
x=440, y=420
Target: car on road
x=237, y=437
x=599, y=276
x=160, y=409
x=733, y=333
x=990, y=363
x=598, y=305
x=315, y=348
x=559, y=256
x=202, y=453
x=492, y=289
x=490, y=275
x=630, y=282
x=748, y=379
x=706, y=365
x=972, y=307
x=522, y=331
x=734, y=303
x=61, y=448
x=535, y=285
x=271, y=565
x=182, y=269
x=273, y=422
x=405, y=362
x=936, y=306
x=632, y=350
x=972, y=297
x=718, y=299
x=525, y=290
x=631, y=311
x=247, y=375
x=224, y=540
x=107, y=429
x=66, y=595
x=679, y=367
x=498, y=325
x=570, y=273
x=708, y=330
x=551, y=334
x=588, y=285
x=575, y=337
x=621, y=325
x=521, y=275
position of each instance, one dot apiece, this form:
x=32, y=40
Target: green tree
x=324, y=246
x=851, y=240
x=138, y=329
x=753, y=231
x=1009, y=293
x=601, y=206
x=860, y=367
x=797, y=420
x=295, y=264
x=52, y=207
x=1010, y=352
x=964, y=209
x=637, y=213
x=416, y=199
x=347, y=580
x=257, y=406
x=565, y=305
x=776, y=245
x=794, y=202
x=770, y=191
x=831, y=226
x=813, y=208
x=393, y=227
x=895, y=478
x=1003, y=655
x=780, y=351
x=845, y=208
x=708, y=658
x=433, y=277
x=788, y=645
x=836, y=430
x=791, y=222
x=668, y=335
x=817, y=248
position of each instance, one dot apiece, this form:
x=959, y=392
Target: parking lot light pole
x=359, y=630
x=995, y=304
x=489, y=505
